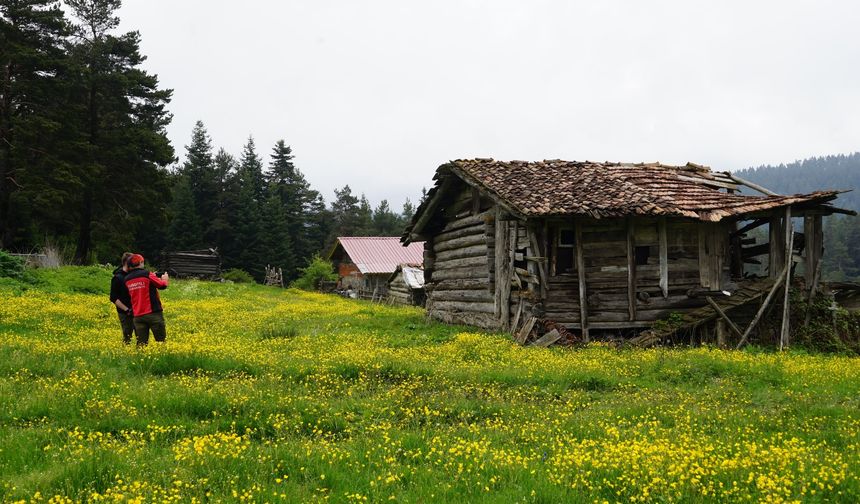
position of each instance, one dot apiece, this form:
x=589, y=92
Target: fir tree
x=407, y=213
x=364, y=218
x=248, y=224
x=345, y=214
x=185, y=231
x=32, y=91
x=385, y=222
x=277, y=239
x=203, y=177
x=121, y=118
x=220, y=232
x=290, y=189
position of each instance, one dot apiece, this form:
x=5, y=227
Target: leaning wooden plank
x=752, y=185
x=548, y=339
x=523, y=335
x=779, y=280
x=725, y=317
x=786, y=307
x=516, y=321
x=631, y=270
x=664, y=257
x=580, y=273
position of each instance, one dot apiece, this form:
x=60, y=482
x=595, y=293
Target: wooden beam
x=580, y=273
x=523, y=335
x=750, y=226
x=813, y=251
x=752, y=185
x=725, y=317
x=777, y=253
x=504, y=270
x=786, y=308
x=664, y=257
x=539, y=259
x=631, y=270
x=431, y=208
x=779, y=280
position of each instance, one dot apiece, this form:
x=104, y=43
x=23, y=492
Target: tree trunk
x=82, y=251
x=5, y=155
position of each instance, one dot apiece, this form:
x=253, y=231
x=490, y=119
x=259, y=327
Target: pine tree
x=320, y=221
x=364, y=218
x=121, y=118
x=345, y=214
x=277, y=239
x=407, y=213
x=290, y=189
x=203, y=178
x=220, y=231
x=185, y=231
x=247, y=223
x=385, y=222
x=251, y=168
x=32, y=118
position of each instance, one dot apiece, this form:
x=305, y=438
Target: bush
x=11, y=266
x=317, y=270
x=237, y=275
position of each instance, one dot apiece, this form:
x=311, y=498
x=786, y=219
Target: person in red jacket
x=143, y=288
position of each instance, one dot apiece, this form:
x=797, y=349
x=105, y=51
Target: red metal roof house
x=364, y=263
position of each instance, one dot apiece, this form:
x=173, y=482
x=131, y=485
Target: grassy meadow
x=268, y=395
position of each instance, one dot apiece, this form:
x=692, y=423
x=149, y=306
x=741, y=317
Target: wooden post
x=721, y=333
x=580, y=272
x=631, y=270
x=786, y=309
x=540, y=264
x=725, y=318
x=776, y=256
x=813, y=250
x=664, y=257
x=503, y=254
x=762, y=308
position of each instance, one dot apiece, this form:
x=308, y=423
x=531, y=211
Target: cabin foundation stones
x=560, y=252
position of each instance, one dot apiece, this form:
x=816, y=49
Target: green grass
x=265, y=394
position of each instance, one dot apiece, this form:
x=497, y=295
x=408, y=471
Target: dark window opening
x=564, y=260
x=565, y=238
x=520, y=258
x=642, y=254
x=562, y=250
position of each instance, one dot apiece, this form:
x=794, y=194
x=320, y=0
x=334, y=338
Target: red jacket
x=143, y=288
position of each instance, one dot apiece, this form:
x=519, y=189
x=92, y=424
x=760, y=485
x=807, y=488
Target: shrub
x=237, y=275
x=317, y=270
x=11, y=266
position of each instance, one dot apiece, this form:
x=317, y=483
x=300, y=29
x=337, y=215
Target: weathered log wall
x=458, y=277
x=665, y=266
x=399, y=292
x=487, y=268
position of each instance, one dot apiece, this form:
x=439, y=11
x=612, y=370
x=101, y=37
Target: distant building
x=406, y=285
x=365, y=263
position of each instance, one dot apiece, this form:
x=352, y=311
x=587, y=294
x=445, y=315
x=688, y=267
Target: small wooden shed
x=406, y=285
x=365, y=263
x=602, y=246
x=205, y=263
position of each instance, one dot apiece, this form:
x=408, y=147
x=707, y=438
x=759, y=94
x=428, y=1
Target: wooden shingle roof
x=605, y=190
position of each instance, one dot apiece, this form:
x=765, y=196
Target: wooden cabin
x=365, y=263
x=602, y=246
x=205, y=263
x=406, y=285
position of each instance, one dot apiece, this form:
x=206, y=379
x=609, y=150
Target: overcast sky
x=377, y=94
